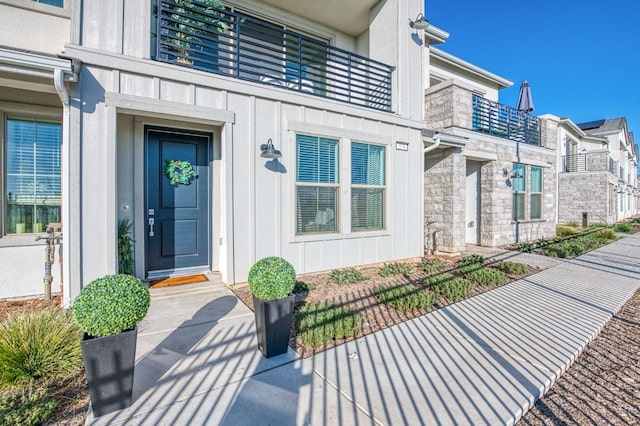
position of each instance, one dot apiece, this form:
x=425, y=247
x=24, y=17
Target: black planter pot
x=108, y=364
x=273, y=324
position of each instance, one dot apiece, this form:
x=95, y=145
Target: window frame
x=382, y=187
x=13, y=109
x=302, y=184
x=526, y=194
x=63, y=12
x=537, y=193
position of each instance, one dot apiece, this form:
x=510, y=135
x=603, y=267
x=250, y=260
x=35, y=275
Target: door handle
x=152, y=222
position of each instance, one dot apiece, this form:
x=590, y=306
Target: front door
x=472, y=202
x=177, y=203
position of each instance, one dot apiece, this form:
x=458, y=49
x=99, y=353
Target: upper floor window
x=57, y=3
x=32, y=174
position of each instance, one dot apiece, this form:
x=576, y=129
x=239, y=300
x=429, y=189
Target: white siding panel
x=136, y=36
x=208, y=97
x=369, y=250
x=102, y=25
x=176, y=92
x=23, y=269
x=136, y=84
x=333, y=256
x=313, y=252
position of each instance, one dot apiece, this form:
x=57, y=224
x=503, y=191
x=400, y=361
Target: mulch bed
x=603, y=385
x=359, y=297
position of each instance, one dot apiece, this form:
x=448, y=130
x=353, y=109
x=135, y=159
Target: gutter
x=436, y=140
x=58, y=82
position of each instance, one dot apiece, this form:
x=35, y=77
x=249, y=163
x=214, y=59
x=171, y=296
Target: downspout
x=58, y=82
x=436, y=140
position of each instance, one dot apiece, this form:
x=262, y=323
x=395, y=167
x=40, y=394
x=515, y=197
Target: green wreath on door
x=179, y=172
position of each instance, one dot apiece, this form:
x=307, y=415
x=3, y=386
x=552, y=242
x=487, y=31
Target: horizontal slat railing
x=505, y=122
x=237, y=45
x=588, y=162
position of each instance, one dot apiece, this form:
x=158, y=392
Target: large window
x=317, y=184
x=367, y=187
x=527, y=193
x=32, y=174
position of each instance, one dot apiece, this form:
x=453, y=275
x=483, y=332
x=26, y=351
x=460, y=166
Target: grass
x=42, y=345
x=395, y=269
x=347, y=276
x=320, y=323
x=452, y=287
x=28, y=405
x=404, y=297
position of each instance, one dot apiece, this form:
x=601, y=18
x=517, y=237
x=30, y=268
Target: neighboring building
x=333, y=85
x=598, y=179
x=33, y=127
x=470, y=194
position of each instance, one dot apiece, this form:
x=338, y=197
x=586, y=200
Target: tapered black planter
x=273, y=324
x=108, y=364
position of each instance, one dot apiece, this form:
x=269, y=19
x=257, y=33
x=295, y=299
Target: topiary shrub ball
x=111, y=305
x=272, y=278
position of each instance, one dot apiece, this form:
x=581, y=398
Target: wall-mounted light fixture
x=515, y=173
x=269, y=151
x=420, y=23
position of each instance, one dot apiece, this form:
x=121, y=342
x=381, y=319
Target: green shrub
x=395, y=268
x=26, y=405
x=39, y=345
x=125, y=247
x=486, y=276
x=111, y=305
x=556, y=251
x=512, y=268
x=451, y=287
x=303, y=287
x=565, y=231
x=430, y=266
x=572, y=224
x=606, y=235
x=346, y=276
x=272, y=278
x=623, y=227
x=471, y=260
x=404, y=298
x=434, y=280
x=598, y=225
x=526, y=247
x=320, y=323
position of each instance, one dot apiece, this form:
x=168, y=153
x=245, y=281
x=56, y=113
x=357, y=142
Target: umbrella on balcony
x=525, y=101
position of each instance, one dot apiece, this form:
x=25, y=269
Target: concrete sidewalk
x=484, y=360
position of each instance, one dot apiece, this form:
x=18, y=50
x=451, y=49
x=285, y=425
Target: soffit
x=350, y=17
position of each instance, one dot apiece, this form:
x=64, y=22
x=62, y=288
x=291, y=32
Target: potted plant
x=108, y=310
x=271, y=280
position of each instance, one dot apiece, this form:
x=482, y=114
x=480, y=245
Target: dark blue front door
x=178, y=237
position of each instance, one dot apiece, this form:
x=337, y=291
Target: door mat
x=187, y=279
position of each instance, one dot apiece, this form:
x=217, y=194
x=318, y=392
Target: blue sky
x=581, y=58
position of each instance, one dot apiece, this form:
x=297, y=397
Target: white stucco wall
x=23, y=271
x=34, y=27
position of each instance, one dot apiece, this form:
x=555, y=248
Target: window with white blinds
x=317, y=183
x=367, y=187
x=32, y=174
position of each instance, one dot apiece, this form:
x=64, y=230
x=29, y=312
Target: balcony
x=247, y=48
x=588, y=162
x=505, y=122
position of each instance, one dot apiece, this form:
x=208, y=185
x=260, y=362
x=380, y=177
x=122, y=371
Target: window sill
x=529, y=221
x=20, y=240
x=335, y=236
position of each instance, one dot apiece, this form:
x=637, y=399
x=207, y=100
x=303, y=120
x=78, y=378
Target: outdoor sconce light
x=516, y=174
x=420, y=23
x=269, y=151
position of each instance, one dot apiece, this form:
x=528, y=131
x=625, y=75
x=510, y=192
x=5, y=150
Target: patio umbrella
x=525, y=101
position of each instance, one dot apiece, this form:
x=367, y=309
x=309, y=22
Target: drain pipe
x=65, y=275
x=436, y=140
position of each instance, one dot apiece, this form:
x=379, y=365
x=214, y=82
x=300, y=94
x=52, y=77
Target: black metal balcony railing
x=234, y=44
x=505, y=122
x=588, y=162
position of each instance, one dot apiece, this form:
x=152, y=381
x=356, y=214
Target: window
x=57, y=3
x=317, y=184
x=32, y=174
x=367, y=187
x=535, y=197
x=527, y=195
x=518, y=185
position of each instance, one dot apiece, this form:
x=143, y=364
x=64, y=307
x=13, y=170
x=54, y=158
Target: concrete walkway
x=481, y=361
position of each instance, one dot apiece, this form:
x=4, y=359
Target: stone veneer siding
x=586, y=192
